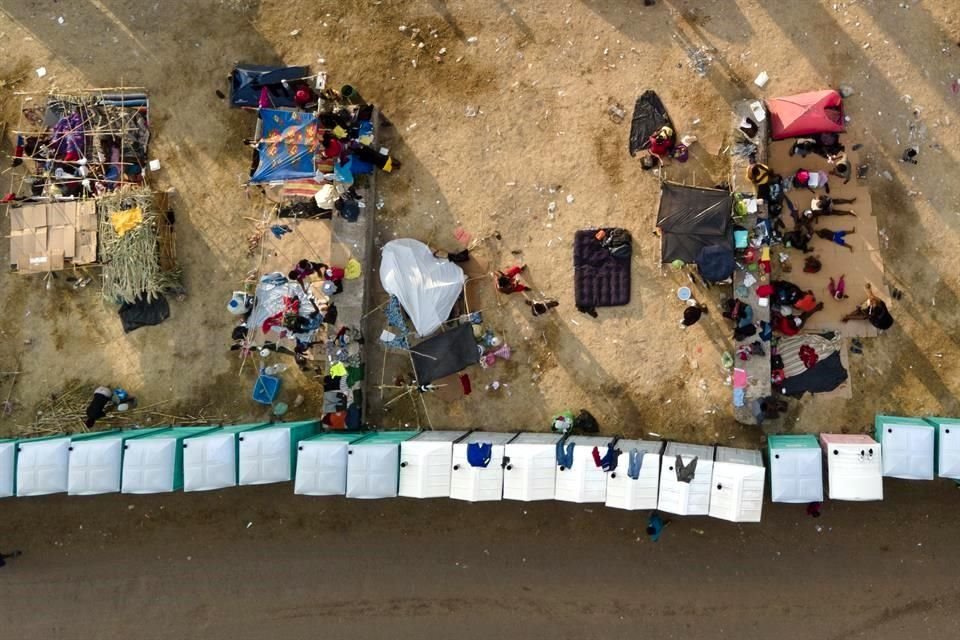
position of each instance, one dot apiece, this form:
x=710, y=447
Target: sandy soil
x=541, y=75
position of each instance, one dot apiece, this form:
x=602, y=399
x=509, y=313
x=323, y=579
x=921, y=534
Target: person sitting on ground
x=838, y=237
x=334, y=275
x=692, y=314
x=102, y=398
x=661, y=143
x=459, y=256
x=841, y=167
x=804, y=179
x=823, y=206
x=799, y=238
x=837, y=289
x=759, y=173
x=790, y=325
x=540, y=307
x=807, y=303
x=304, y=269
x=874, y=310
x=509, y=281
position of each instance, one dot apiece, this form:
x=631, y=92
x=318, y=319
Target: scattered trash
x=910, y=155
x=887, y=175
x=471, y=111
x=762, y=79
x=249, y=524
x=295, y=32
x=846, y=90
x=699, y=532
x=552, y=208
x=154, y=165
x=60, y=20
x=616, y=112
x=41, y=71
x=700, y=60
x=472, y=40
x=569, y=198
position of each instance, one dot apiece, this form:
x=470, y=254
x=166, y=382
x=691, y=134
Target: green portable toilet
x=373, y=465
x=269, y=454
x=154, y=463
x=211, y=460
x=96, y=464
x=908, y=447
x=796, y=468
x=948, y=446
x=322, y=463
x=43, y=464
x=8, y=458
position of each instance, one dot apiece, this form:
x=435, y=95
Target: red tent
x=806, y=114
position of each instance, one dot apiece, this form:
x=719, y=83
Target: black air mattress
x=599, y=279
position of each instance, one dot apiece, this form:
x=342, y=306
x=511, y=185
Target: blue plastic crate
x=265, y=388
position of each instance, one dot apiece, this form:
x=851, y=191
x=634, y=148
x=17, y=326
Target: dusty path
x=188, y=566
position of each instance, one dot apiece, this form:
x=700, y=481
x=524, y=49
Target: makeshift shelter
x=477, y=466
x=530, y=467
x=445, y=353
x=8, y=463
x=248, y=81
x=583, y=480
x=649, y=116
x=426, y=286
x=287, y=141
x=96, y=464
x=269, y=454
x=633, y=493
x=373, y=467
x=52, y=236
x=715, y=263
x=691, y=218
x=854, y=467
x=805, y=114
x=736, y=493
x=796, y=468
x=154, y=463
x=425, y=463
x=322, y=463
x=686, y=498
x=908, y=447
x=947, y=446
x=211, y=460
x=43, y=464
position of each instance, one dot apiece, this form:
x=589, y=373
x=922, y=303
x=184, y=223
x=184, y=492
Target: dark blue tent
x=716, y=263
x=248, y=80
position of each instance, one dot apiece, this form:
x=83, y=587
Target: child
x=540, y=307
x=837, y=289
x=509, y=281
x=837, y=236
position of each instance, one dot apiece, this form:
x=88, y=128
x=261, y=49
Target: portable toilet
x=322, y=463
x=948, y=447
x=583, y=480
x=627, y=492
x=154, y=463
x=796, y=468
x=211, y=460
x=686, y=498
x=530, y=467
x=8, y=459
x=908, y=447
x=479, y=479
x=736, y=492
x=425, y=461
x=269, y=454
x=96, y=464
x=854, y=469
x=373, y=465
x=43, y=464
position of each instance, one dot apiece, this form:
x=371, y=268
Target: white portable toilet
x=530, y=467
x=210, y=461
x=908, y=447
x=96, y=465
x=425, y=462
x=154, y=463
x=736, y=492
x=796, y=468
x=322, y=463
x=686, y=498
x=479, y=483
x=8, y=472
x=624, y=492
x=948, y=447
x=854, y=467
x=583, y=481
x=43, y=464
x=269, y=454
x=373, y=465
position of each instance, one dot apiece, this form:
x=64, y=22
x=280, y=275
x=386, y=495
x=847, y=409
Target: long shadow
x=912, y=361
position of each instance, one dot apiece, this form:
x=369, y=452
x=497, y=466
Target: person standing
x=692, y=315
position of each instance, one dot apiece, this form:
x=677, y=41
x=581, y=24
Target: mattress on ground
x=599, y=279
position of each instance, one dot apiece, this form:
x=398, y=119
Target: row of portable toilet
x=154, y=460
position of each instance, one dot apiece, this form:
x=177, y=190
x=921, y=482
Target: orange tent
x=806, y=114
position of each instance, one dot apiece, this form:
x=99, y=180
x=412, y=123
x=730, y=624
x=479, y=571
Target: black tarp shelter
x=247, y=82
x=649, y=115
x=444, y=354
x=691, y=218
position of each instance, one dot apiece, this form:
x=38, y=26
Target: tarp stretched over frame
x=287, y=145
x=444, y=354
x=691, y=218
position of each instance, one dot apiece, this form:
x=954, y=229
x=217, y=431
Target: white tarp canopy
x=796, y=469
x=908, y=447
x=322, y=464
x=95, y=467
x=478, y=484
x=686, y=498
x=425, y=462
x=149, y=465
x=265, y=457
x=42, y=466
x=736, y=493
x=583, y=481
x=854, y=468
x=948, y=447
x=373, y=471
x=530, y=472
x=210, y=462
x=426, y=286
x=8, y=454
x=625, y=492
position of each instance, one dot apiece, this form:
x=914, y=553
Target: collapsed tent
x=287, y=143
x=691, y=218
x=649, y=115
x=247, y=82
x=445, y=354
x=426, y=286
x=806, y=114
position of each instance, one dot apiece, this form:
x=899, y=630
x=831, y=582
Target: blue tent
x=287, y=145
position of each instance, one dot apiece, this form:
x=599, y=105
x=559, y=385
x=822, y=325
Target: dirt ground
x=540, y=76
